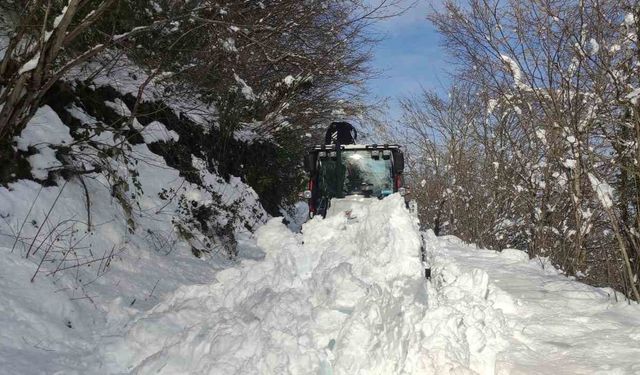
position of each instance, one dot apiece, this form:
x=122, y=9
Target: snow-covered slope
x=102, y=228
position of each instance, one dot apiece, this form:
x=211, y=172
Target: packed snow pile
x=343, y=297
x=347, y=296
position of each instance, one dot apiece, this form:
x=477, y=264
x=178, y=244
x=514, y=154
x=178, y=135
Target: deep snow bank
x=347, y=296
x=342, y=297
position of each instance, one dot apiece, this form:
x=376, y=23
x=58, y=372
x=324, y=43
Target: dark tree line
x=279, y=64
x=280, y=69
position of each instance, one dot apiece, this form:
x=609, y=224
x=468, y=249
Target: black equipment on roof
x=341, y=133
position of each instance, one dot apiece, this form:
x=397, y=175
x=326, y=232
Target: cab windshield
x=356, y=172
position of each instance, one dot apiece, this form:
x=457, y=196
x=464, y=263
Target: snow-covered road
x=553, y=325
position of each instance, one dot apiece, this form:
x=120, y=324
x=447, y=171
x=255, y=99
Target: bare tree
x=557, y=83
x=41, y=50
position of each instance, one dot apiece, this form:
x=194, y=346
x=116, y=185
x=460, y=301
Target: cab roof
x=356, y=147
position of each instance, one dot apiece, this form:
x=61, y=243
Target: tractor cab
x=340, y=171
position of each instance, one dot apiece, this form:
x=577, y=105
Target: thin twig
x=25, y=218
x=46, y=218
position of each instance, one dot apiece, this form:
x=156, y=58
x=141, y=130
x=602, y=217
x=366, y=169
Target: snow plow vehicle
x=351, y=170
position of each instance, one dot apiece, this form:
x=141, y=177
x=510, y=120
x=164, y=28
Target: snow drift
x=89, y=236
x=347, y=296
x=342, y=297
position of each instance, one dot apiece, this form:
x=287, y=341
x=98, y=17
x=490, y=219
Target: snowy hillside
x=98, y=221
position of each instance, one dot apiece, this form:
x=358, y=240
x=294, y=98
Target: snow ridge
x=328, y=301
x=464, y=328
x=347, y=296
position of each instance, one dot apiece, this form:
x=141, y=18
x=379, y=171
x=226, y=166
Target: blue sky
x=409, y=57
